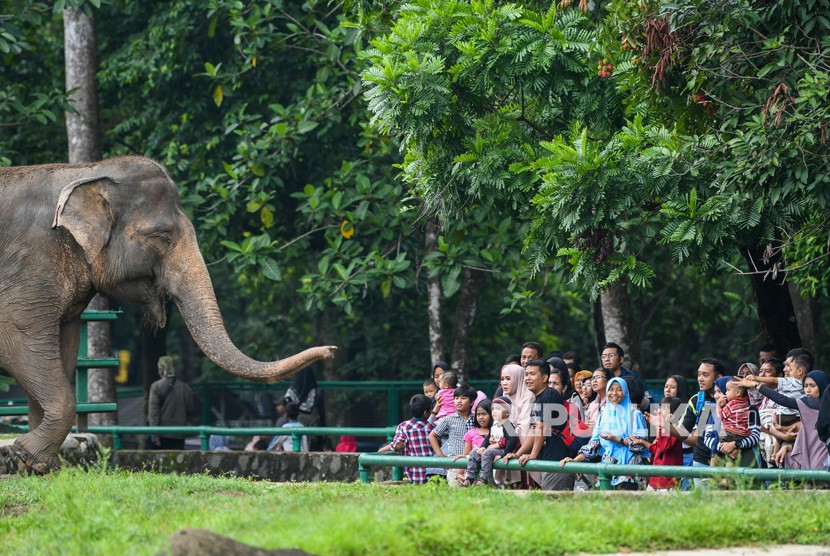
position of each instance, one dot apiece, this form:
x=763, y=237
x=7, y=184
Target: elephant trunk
x=186, y=278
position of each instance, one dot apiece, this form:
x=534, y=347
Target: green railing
x=204, y=432
x=602, y=470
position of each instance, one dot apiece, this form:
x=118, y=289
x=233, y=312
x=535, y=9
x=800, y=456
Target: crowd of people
x=773, y=414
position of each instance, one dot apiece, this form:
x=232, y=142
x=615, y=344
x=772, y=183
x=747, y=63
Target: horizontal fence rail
x=603, y=470
x=204, y=432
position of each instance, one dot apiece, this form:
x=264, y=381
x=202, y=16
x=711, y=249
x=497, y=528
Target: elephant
x=116, y=227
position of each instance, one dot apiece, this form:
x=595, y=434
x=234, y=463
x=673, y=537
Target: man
x=766, y=351
x=612, y=359
x=530, y=351
x=767, y=409
x=700, y=407
x=571, y=357
x=172, y=404
x=548, y=444
x=798, y=363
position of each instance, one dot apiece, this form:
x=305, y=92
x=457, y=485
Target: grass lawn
x=112, y=512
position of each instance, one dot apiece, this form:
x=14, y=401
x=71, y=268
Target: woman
x=676, y=387
x=559, y=368
x=745, y=452
x=582, y=384
x=599, y=382
x=613, y=438
x=808, y=451
x=305, y=392
x=513, y=386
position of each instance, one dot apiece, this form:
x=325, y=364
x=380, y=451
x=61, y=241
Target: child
x=285, y=443
x=475, y=439
x=444, y=399
x=733, y=412
x=430, y=388
x=666, y=449
x=447, y=438
x=500, y=443
x=412, y=437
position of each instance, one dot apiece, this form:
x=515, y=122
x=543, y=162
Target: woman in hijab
x=823, y=423
x=618, y=423
x=745, y=451
x=808, y=451
x=305, y=392
x=513, y=386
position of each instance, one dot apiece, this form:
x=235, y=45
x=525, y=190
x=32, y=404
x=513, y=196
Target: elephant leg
x=70, y=339
x=38, y=369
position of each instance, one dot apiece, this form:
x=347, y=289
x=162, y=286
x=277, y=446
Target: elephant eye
x=162, y=236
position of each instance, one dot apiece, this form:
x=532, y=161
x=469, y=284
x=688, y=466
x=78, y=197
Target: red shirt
x=666, y=450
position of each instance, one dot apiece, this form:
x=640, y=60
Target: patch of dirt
x=14, y=510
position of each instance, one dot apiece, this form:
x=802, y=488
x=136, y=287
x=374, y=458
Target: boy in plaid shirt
x=412, y=437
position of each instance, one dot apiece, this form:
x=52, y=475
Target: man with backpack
x=172, y=404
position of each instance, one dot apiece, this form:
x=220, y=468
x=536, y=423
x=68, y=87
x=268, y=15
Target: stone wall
x=77, y=449
x=272, y=466
x=82, y=449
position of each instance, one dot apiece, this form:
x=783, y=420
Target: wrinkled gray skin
x=117, y=228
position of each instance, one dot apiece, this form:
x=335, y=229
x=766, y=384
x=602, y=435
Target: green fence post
x=604, y=480
x=392, y=406
x=204, y=441
x=296, y=442
x=364, y=473
x=116, y=440
x=397, y=473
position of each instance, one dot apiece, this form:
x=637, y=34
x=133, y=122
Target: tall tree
x=84, y=137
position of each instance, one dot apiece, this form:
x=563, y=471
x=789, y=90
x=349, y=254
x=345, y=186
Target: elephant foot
x=28, y=464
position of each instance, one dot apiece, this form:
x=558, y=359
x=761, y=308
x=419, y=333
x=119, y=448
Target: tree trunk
x=436, y=336
x=772, y=301
x=325, y=330
x=599, y=327
x=84, y=137
x=616, y=319
x=806, y=316
x=465, y=314
x=80, y=49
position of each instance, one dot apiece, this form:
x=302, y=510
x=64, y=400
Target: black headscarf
x=561, y=368
x=303, y=383
x=823, y=421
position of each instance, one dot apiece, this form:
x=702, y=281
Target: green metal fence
x=204, y=432
x=82, y=406
x=603, y=470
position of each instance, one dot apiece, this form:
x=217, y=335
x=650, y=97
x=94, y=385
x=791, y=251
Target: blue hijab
x=622, y=420
x=721, y=384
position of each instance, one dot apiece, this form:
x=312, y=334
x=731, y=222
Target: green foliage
x=33, y=97
x=745, y=92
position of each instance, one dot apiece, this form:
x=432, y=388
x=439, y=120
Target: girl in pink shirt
x=445, y=398
x=476, y=438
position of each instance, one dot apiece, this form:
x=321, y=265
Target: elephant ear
x=86, y=214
